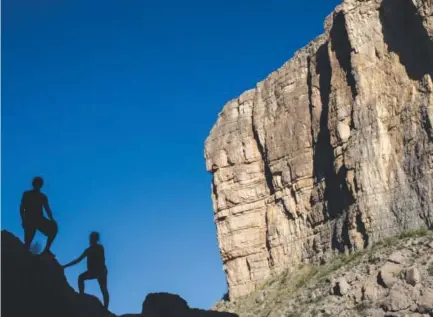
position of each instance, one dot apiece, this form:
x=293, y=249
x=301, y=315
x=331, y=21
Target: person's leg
x=102, y=279
x=29, y=234
x=84, y=276
x=49, y=229
x=52, y=234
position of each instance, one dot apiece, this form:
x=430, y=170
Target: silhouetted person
x=96, y=268
x=31, y=209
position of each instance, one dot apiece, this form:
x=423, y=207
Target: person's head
x=94, y=238
x=37, y=182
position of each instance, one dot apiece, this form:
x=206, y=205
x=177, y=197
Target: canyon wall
x=331, y=152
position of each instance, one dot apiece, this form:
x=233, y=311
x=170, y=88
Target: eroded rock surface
x=348, y=286
x=332, y=151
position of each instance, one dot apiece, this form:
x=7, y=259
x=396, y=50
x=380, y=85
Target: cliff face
x=331, y=152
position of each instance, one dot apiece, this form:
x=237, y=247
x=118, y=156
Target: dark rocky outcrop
x=35, y=285
x=170, y=305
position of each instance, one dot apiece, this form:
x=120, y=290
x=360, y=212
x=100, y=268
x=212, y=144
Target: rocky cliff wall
x=332, y=151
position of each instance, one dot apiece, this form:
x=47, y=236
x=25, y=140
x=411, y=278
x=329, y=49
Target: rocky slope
x=33, y=285
x=331, y=152
x=392, y=279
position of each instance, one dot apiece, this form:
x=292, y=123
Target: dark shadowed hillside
x=33, y=285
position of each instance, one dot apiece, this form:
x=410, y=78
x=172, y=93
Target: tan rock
x=397, y=257
x=425, y=303
x=388, y=274
x=370, y=292
x=399, y=298
x=376, y=313
x=332, y=150
x=340, y=287
x=413, y=276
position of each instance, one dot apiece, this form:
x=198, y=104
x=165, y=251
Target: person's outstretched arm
x=78, y=260
x=22, y=207
x=48, y=209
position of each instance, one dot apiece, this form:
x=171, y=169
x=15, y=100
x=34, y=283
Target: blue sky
x=111, y=102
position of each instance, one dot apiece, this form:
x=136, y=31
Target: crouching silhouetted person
x=96, y=268
x=33, y=202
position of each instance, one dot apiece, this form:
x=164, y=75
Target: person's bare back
x=96, y=268
x=32, y=207
x=33, y=202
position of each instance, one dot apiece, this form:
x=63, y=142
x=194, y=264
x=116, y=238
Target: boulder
x=388, y=274
x=413, y=276
x=425, y=302
x=340, y=287
x=399, y=298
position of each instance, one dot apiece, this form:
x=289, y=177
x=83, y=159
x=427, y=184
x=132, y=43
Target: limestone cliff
x=331, y=152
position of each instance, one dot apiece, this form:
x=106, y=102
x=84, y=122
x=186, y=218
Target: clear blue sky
x=111, y=102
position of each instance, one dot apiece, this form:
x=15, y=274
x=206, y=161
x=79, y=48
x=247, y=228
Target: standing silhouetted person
x=32, y=204
x=96, y=268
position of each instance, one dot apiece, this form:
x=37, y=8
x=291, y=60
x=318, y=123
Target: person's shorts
x=95, y=274
x=44, y=225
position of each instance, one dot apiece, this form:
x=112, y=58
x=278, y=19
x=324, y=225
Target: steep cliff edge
x=35, y=285
x=331, y=152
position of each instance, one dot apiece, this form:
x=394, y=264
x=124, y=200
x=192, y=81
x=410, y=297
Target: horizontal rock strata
x=332, y=151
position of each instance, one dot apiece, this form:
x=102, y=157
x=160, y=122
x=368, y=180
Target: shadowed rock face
x=332, y=151
x=36, y=286
x=170, y=305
